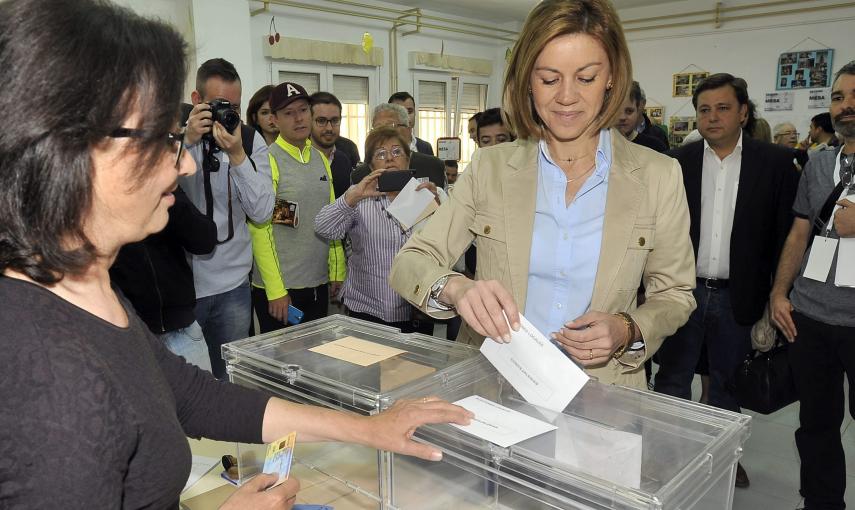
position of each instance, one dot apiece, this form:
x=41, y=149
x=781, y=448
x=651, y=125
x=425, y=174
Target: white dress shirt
x=719, y=186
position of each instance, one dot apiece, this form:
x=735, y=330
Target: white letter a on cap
x=291, y=90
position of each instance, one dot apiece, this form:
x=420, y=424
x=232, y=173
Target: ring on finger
x=424, y=400
x=591, y=354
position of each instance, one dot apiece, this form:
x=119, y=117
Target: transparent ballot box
x=329, y=362
x=614, y=447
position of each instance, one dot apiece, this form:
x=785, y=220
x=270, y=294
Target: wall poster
x=779, y=101
x=679, y=127
x=804, y=69
x=686, y=83
x=656, y=114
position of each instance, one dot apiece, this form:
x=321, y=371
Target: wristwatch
x=436, y=290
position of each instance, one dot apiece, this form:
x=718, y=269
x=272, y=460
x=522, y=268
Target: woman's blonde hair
x=551, y=19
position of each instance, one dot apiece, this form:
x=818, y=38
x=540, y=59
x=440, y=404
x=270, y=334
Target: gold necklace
x=583, y=175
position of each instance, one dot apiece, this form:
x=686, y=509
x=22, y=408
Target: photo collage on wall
x=686, y=83
x=804, y=69
x=656, y=114
x=679, y=127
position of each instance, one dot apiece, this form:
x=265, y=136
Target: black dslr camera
x=222, y=112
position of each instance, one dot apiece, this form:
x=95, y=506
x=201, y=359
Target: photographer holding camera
x=231, y=185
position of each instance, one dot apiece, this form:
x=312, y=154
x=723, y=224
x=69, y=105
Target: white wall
x=302, y=23
x=749, y=49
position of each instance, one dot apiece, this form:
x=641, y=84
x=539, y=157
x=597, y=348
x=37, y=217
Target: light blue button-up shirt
x=565, y=248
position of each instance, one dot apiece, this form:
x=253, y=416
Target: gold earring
x=609, y=85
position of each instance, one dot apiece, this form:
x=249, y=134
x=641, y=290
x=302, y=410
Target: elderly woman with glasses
x=96, y=410
x=375, y=235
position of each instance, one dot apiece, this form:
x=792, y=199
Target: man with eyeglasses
x=293, y=265
x=425, y=165
x=230, y=187
x=326, y=130
x=815, y=308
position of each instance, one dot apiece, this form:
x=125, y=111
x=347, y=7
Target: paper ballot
x=536, y=367
x=499, y=424
x=409, y=206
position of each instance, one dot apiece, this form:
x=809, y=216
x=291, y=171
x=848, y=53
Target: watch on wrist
x=437, y=289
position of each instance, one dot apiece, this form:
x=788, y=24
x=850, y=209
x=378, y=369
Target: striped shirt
x=375, y=238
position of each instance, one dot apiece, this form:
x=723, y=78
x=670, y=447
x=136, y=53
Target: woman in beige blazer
x=571, y=218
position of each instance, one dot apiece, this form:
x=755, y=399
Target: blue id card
x=295, y=315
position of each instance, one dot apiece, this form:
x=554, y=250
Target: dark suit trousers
x=820, y=357
x=711, y=324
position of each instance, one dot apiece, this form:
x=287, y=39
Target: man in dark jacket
x=155, y=277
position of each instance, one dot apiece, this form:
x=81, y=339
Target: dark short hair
x=476, y=116
x=719, y=80
x=849, y=68
x=215, y=68
x=636, y=95
x=324, y=98
x=255, y=102
x=401, y=96
x=450, y=162
x=490, y=117
x=823, y=122
x=90, y=83
x=379, y=135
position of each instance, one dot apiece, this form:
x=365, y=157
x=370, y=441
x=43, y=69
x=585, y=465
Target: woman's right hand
x=254, y=494
x=367, y=188
x=484, y=305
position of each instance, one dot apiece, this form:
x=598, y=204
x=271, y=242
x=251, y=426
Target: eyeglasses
x=323, y=121
x=382, y=154
x=789, y=133
x=171, y=139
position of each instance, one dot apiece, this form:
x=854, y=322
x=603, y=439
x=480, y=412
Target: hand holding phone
x=392, y=181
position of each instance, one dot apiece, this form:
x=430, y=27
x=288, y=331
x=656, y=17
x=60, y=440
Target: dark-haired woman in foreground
x=95, y=408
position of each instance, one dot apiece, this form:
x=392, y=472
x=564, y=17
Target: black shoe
x=742, y=480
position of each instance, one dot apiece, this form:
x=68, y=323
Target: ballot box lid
x=348, y=363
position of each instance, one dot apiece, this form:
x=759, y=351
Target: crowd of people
x=135, y=236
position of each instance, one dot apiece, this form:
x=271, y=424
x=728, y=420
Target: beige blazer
x=645, y=239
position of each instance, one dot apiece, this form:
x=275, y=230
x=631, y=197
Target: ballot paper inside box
x=612, y=447
x=348, y=364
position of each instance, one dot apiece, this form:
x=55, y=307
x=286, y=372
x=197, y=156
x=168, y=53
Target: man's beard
x=845, y=128
x=324, y=145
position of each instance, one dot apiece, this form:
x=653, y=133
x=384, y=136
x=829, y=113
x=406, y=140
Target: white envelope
x=409, y=205
x=499, y=424
x=540, y=371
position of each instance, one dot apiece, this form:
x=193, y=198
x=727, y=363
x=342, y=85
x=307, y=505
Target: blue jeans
x=711, y=324
x=224, y=318
x=190, y=343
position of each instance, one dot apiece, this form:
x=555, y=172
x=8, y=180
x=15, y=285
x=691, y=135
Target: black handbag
x=764, y=381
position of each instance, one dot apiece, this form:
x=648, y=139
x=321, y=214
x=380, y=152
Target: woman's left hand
x=593, y=338
x=431, y=187
x=393, y=429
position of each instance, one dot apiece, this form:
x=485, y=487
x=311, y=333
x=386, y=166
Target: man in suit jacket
x=425, y=165
x=406, y=100
x=494, y=202
x=740, y=193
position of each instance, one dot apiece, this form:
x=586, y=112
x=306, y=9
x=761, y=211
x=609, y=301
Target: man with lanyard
x=819, y=316
x=293, y=265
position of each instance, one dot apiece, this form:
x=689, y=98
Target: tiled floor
x=772, y=461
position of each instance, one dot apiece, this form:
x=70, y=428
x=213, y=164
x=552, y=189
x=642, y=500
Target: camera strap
x=209, y=193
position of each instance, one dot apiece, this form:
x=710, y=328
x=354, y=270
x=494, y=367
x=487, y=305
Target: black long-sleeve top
x=154, y=274
x=95, y=416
